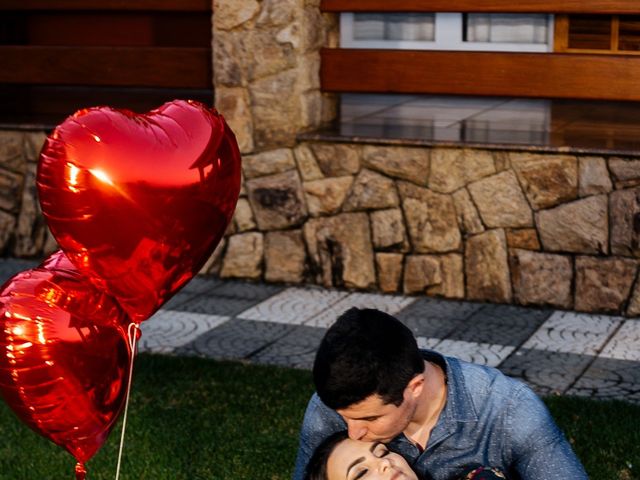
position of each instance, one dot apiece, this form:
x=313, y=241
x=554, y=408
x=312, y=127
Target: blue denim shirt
x=489, y=419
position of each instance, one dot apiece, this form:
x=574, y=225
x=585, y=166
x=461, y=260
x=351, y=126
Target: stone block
x=230, y=14
x=307, y=165
x=431, y=219
x=603, y=284
x=7, y=226
x=285, y=257
x=326, y=196
x=12, y=154
x=624, y=217
x=268, y=163
x=633, y=310
x=243, y=216
x=33, y=143
x=468, y=218
x=541, y=278
x=487, y=267
x=31, y=229
x=452, y=168
x=452, y=273
x=580, y=226
x=411, y=164
x=389, y=268
x=310, y=103
x=233, y=104
x=625, y=171
x=213, y=265
x=277, y=201
x=336, y=160
x=370, y=191
x=11, y=185
x=501, y=202
x=525, y=238
x=228, y=56
x=243, y=258
x=547, y=180
x=593, y=176
x=340, y=250
x=420, y=272
x=389, y=231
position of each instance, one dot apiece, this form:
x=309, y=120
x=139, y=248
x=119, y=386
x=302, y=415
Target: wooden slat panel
x=496, y=6
x=546, y=75
x=149, y=67
x=150, y=5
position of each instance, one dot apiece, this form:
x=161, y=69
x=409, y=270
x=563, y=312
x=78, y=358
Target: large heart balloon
x=64, y=355
x=139, y=202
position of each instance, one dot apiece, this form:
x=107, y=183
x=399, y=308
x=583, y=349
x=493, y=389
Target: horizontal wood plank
x=113, y=66
x=542, y=75
x=131, y=5
x=495, y=6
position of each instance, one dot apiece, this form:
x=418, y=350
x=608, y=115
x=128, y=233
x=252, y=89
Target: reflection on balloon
x=139, y=202
x=64, y=356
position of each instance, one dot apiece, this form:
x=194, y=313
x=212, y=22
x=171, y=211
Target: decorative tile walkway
x=555, y=352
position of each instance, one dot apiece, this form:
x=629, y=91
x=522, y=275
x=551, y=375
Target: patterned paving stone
x=202, y=284
x=546, y=372
x=235, y=339
x=574, y=333
x=432, y=317
x=296, y=349
x=480, y=353
x=625, y=344
x=179, y=299
x=215, y=305
x=390, y=304
x=256, y=292
x=10, y=266
x=427, y=342
x=293, y=306
x=167, y=330
x=607, y=378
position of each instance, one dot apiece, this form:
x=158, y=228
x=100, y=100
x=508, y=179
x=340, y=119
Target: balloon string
x=132, y=332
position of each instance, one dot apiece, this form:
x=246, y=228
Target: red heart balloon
x=64, y=356
x=139, y=202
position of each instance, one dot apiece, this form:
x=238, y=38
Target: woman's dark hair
x=317, y=466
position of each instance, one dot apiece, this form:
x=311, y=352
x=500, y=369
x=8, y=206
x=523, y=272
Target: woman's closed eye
x=360, y=473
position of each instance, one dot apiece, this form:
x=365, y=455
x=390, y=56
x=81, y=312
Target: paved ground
x=554, y=351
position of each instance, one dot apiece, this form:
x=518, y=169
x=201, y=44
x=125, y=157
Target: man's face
x=373, y=420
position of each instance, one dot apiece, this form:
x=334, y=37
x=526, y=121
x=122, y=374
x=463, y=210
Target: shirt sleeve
x=539, y=450
x=319, y=422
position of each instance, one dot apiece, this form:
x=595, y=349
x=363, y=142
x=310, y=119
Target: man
x=440, y=413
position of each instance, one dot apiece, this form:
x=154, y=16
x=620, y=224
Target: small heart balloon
x=64, y=356
x=139, y=202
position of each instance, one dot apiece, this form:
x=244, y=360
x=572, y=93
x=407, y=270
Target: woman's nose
x=384, y=464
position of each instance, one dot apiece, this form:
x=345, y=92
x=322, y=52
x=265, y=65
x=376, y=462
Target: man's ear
x=415, y=385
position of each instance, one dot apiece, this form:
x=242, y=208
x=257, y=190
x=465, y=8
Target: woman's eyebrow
x=353, y=464
x=374, y=445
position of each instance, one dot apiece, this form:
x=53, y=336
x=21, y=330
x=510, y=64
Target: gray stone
x=468, y=217
x=341, y=251
x=541, y=278
x=233, y=104
x=307, y=165
x=389, y=231
x=603, y=284
x=420, y=272
x=431, y=219
x=285, y=257
x=500, y=201
x=547, y=180
x=243, y=258
x=230, y=14
x=410, y=164
x=525, y=238
x=625, y=171
x=593, y=176
x=7, y=226
x=487, y=267
x=389, y=268
x=452, y=273
x=243, y=216
x=31, y=229
x=580, y=226
x=326, y=196
x=12, y=155
x=624, y=216
x=452, y=168
x=371, y=190
x=268, y=163
x=336, y=160
x=277, y=201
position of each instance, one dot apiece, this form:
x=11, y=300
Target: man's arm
x=319, y=422
x=539, y=450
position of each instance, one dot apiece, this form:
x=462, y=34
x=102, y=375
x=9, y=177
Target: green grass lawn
x=198, y=419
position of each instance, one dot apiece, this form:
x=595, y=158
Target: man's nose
x=356, y=430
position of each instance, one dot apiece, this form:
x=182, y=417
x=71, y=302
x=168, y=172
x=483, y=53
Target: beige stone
x=487, y=267
x=243, y=216
x=307, y=165
x=634, y=303
x=285, y=257
x=452, y=273
x=624, y=215
x=268, y=163
x=50, y=244
x=233, y=104
x=7, y=226
x=431, y=219
x=603, y=284
x=371, y=190
x=541, y=278
x=309, y=71
x=388, y=229
x=524, y=238
x=326, y=196
x=410, y=164
x=310, y=109
x=313, y=26
x=452, y=168
x=420, y=272
x=501, y=202
x=229, y=69
x=340, y=250
x=594, y=176
x=547, y=180
x=31, y=229
x=389, y=268
x=11, y=185
x=243, y=258
x=502, y=160
x=277, y=201
x=625, y=171
x=214, y=263
x=290, y=34
x=329, y=107
x=12, y=154
x=230, y=14
x=336, y=160
x=276, y=13
x=580, y=226
x=33, y=143
x=467, y=214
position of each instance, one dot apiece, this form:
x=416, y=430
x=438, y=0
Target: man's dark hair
x=317, y=466
x=365, y=352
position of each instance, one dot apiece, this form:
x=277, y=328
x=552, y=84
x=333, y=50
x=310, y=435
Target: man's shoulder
x=320, y=418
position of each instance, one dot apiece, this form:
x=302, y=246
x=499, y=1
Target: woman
x=340, y=458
